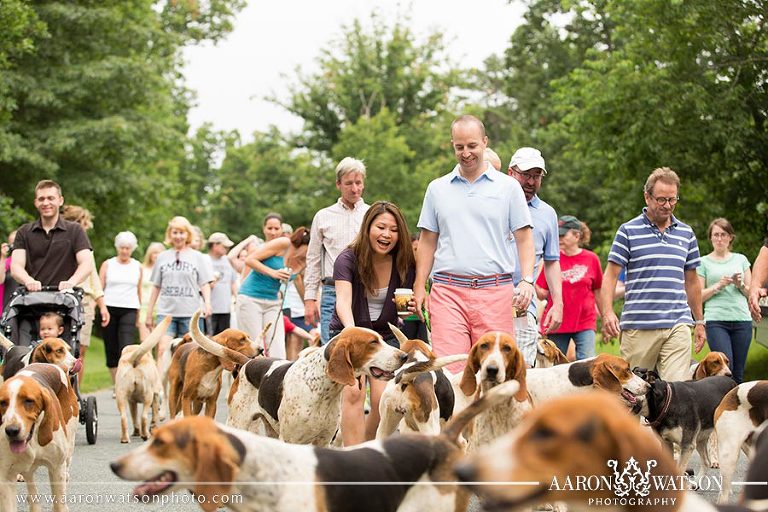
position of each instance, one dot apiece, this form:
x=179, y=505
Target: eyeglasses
x=528, y=176
x=661, y=201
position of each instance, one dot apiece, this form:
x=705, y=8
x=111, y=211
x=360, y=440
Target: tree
x=364, y=72
x=684, y=88
x=98, y=104
x=268, y=175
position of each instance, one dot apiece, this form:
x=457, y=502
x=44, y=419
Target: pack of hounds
x=499, y=430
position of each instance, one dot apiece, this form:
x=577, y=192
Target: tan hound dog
x=607, y=372
x=548, y=355
x=714, y=363
x=38, y=417
x=300, y=401
x=217, y=461
x=137, y=381
x=591, y=435
x=194, y=378
x=737, y=417
x=50, y=350
x=494, y=359
x=420, y=398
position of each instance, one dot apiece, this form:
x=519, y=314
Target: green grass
x=757, y=358
x=96, y=373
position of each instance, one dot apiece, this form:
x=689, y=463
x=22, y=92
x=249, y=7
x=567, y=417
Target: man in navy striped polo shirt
x=660, y=254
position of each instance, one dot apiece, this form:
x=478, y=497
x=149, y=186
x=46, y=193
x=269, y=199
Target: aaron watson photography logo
x=635, y=485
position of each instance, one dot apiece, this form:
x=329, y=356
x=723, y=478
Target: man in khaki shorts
x=660, y=254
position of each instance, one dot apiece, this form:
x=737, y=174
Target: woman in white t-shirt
x=180, y=276
x=121, y=279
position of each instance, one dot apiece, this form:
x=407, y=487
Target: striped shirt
x=333, y=229
x=656, y=263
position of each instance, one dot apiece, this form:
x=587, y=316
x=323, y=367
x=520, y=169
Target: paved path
x=93, y=486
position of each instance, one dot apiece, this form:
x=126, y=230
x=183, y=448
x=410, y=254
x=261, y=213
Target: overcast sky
x=272, y=37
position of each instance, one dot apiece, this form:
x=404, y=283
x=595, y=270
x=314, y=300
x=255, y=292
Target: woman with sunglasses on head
x=725, y=278
x=366, y=275
x=258, y=302
x=180, y=276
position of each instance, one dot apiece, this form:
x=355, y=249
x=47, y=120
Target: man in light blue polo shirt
x=528, y=168
x=465, y=223
x=660, y=254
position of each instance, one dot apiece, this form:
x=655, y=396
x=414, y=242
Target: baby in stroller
x=50, y=348
x=51, y=325
x=44, y=327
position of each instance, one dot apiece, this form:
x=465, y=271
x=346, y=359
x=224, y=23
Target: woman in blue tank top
x=258, y=302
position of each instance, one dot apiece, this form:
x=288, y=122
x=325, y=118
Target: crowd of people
x=490, y=255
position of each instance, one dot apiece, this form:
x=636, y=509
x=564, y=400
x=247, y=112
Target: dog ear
x=516, y=370
x=51, y=416
x=216, y=466
x=604, y=378
x=559, y=358
x=468, y=384
x=340, y=369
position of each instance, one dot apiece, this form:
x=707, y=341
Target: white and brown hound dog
x=137, y=382
x=49, y=350
x=548, y=355
x=737, y=417
x=38, y=416
x=272, y=476
x=300, y=401
x=420, y=398
x=608, y=372
x=494, y=359
x=713, y=364
x=194, y=378
x=574, y=436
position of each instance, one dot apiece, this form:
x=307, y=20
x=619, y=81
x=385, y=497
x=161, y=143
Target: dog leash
x=267, y=346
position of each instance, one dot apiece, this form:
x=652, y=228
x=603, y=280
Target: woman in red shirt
x=582, y=279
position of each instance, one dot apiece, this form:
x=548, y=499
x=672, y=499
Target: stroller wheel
x=91, y=419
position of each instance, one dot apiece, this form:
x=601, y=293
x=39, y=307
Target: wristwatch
x=528, y=279
x=700, y=322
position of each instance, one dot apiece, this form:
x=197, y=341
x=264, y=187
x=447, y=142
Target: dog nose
x=491, y=372
x=115, y=467
x=12, y=431
x=465, y=472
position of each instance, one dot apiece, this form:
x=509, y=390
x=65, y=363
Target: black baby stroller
x=20, y=325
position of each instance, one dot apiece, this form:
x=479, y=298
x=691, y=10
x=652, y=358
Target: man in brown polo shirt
x=50, y=251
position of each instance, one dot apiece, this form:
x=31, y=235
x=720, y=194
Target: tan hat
x=220, y=238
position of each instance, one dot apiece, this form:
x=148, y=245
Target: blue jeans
x=327, y=307
x=732, y=339
x=584, y=340
x=178, y=327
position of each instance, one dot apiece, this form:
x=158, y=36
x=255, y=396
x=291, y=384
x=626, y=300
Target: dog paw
x=714, y=464
x=125, y=441
x=20, y=478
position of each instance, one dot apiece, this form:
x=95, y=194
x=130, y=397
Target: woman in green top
x=725, y=278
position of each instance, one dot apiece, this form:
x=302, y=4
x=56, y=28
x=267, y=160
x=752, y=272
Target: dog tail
x=456, y=424
x=149, y=343
x=409, y=374
x=211, y=346
x=5, y=342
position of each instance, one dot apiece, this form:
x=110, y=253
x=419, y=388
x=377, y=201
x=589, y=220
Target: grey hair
x=664, y=174
x=126, y=239
x=349, y=165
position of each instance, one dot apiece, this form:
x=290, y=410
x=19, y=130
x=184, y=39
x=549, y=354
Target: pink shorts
x=459, y=316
